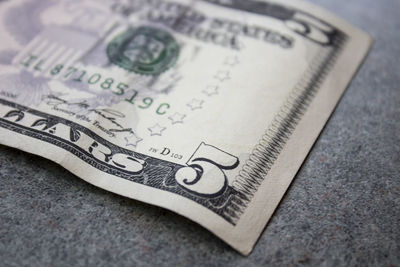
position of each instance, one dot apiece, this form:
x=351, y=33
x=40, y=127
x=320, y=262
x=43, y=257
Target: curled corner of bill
x=206, y=108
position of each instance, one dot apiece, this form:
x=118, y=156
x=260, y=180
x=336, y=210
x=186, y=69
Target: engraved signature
x=110, y=115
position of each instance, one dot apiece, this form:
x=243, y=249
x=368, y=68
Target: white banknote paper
x=207, y=108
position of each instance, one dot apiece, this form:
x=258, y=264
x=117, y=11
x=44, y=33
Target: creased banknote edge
x=120, y=186
x=285, y=168
x=194, y=219
x=245, y=234
x=267, y=151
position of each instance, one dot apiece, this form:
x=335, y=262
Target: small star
x=211, y=90
x=156, y=130
x=222, y=76
x=231, y=61
x=132, y=140
x=195, y=104
x=177, y=118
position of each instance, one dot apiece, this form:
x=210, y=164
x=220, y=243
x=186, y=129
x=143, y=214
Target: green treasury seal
x=144, y=50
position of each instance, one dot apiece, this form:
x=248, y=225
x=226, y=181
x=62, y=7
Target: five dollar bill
x=207, y=108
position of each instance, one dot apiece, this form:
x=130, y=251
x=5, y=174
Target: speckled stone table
x=343, y=208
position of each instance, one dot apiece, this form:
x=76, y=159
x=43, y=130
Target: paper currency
x=207, y=108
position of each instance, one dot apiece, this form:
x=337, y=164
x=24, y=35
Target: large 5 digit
x=311, y=28
x=204, y=175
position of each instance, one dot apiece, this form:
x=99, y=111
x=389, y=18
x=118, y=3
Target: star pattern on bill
x=132, y=140
x=222, y=75
x=211, y=90
x=157, y=129
x=177, y=118
x=195, y=104
x=231, y=61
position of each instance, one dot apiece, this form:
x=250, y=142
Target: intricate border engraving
x=160, y=174
x=157, y=173
x=272, y=142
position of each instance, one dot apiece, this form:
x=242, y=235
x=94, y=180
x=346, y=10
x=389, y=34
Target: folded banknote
x=207, y=108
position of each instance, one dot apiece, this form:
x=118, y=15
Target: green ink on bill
x=144, y=50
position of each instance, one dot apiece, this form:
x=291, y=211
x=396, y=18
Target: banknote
x=204, y=107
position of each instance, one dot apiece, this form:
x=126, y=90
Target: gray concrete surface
x=343, y=209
